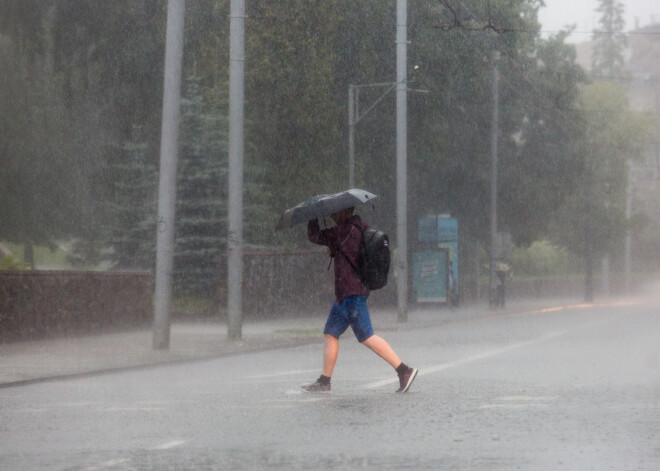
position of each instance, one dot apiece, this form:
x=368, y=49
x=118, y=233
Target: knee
x=368, y=341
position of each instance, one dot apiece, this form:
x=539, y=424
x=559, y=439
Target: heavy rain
x=166, y=304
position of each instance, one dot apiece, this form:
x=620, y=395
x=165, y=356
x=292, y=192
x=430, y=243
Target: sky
x=582, y=13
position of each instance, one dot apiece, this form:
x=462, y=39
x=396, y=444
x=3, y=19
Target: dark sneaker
x=406, y=379
x=316, y=387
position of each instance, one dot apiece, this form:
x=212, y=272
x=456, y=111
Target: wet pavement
x=543, y=385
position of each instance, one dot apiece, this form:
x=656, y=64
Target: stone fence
x=571, y=286
x=36, y=304
x=278, y=284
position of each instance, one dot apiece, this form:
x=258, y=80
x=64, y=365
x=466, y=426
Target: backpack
x=373, y=258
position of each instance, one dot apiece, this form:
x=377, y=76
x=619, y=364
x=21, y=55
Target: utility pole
x=493, y=175
x=169, y=141
x=235, y=193
x=352, y=121
x=401, y=158
x=627, y=266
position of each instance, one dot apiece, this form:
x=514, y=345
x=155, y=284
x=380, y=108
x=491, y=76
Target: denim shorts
x=352, y=311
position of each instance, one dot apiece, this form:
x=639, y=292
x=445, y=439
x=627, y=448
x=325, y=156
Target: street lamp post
x=493, y=177
x=402, y=158
x=351, y=135
x=235, y=166
x=167, y=174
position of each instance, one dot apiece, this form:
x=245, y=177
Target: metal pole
x=493, y=175
x=605, y=281
x=627, y=242
x=167, y=178
x=351, y=136
x=477, y=274
x=235, y=194
x=401, y=158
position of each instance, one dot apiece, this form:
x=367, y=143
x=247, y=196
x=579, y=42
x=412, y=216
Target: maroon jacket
x=345, y=237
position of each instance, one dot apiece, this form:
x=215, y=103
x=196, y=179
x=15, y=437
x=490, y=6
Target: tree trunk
x=589, y=273
x=28, y=254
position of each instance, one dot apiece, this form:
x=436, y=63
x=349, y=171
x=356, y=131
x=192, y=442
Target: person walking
x=452, y=287
x=350, y=307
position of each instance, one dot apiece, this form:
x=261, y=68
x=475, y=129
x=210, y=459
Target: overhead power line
x=472, y=26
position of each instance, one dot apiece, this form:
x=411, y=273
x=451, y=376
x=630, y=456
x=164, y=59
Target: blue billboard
x=430, y=276
x=437, y=238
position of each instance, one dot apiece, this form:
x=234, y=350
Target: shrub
x=9, y=262
x=542, y=258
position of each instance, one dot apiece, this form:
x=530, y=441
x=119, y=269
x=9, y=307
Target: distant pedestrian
x=501, y=270
x=350, y=307
x=501, y=293
x=452, y=287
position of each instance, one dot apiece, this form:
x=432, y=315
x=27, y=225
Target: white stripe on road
x=463, y=361
x=106, y=465
x=527, y=398
x=521, y=402
x=168, y=445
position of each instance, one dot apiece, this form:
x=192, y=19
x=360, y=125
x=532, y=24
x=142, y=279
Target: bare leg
x=383, y=350
x=330, y=352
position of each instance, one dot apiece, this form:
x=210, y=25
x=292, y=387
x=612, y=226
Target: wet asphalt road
x=573, y=389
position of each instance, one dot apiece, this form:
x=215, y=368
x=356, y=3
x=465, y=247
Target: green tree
x=300, y=58
x=591, y=220
x=100, y=64
x=292, y=117
x=544, y=165
x=450, y=127
x=609, y=40
x=23, y=22
x=39, y=171
x=128, y=230
x=201, y=214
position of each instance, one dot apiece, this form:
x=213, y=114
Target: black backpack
x=373, y=258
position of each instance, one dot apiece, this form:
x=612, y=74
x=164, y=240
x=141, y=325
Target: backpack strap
x=349, y=262
x=357, y=272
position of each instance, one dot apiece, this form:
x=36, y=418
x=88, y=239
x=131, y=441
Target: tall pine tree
x=201, y=214
x=130, y=230
x=609, y=41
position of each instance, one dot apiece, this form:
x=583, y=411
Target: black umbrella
x=323, y=205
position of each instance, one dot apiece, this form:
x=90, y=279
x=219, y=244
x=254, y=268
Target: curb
x=155, y=364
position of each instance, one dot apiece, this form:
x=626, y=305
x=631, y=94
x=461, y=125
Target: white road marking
x=106, y=464
x=168, y=445
x=528, y=398
x=131, y=409
x=463, y=361
x=520, y=402
x=515, y=406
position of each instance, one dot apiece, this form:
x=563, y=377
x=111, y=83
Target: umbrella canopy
x=323, y=205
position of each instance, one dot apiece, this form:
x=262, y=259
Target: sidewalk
x=42, y=360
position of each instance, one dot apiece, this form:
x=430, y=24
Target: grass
x=43, y=256
x=192, y=304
